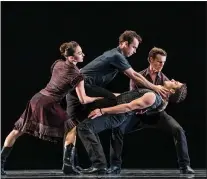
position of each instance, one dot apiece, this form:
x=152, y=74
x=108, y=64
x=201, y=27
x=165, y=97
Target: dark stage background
x=32, y=33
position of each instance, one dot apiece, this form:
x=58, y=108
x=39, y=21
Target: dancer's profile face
x=78, y=54
x=158, y=62
x=172, y=84
x=130, y=49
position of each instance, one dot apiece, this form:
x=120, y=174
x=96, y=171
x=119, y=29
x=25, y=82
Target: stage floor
x=126, y=173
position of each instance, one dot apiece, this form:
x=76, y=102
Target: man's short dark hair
x=129, y=36
x=179, y=95
x=156, y=51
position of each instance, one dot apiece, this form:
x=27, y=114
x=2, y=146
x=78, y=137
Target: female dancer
x=44, y=117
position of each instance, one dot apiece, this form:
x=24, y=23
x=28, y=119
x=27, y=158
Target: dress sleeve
x=76, y=80
x=75, y=77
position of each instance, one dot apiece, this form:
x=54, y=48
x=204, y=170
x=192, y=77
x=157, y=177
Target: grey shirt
x=103, y=69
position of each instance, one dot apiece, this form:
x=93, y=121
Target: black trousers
x=161, y=121
x=88, y=133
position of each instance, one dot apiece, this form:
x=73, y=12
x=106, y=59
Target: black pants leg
x=117, y=138
x=116, y=147
x=168, y=124
x=161, y=121
x=88, y=132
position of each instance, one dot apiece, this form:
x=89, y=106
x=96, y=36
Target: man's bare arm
x=141, y=103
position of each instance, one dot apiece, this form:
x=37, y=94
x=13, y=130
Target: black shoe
x=4, y=154
x=68, y=160
x=187, y=170
x=114, y=170
x=93, y=170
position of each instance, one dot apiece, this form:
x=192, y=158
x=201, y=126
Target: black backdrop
x=32, y=33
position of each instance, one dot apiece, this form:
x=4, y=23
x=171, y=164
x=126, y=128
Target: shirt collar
x=148, y=72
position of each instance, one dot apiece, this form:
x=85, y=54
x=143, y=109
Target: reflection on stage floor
x=125, y=173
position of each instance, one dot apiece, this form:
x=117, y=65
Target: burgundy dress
x=44, y=117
